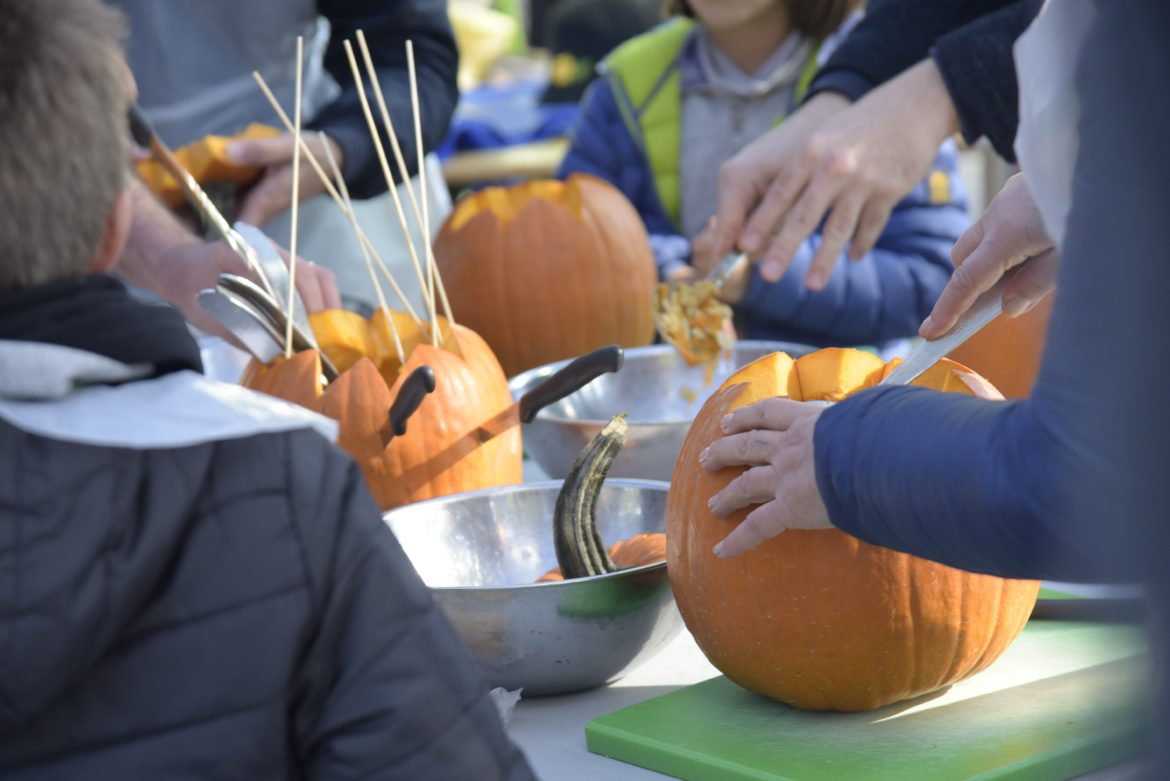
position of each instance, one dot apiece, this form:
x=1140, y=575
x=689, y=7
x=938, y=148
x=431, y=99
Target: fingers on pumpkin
x=755, y=486
x=771, y=414
x=750, y=448
x=761, y=524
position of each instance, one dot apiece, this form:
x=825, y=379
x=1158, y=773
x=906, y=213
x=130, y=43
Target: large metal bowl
x=650, y=386
x=481, y=553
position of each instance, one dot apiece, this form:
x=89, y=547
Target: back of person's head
x=816, y=19
x=63, y=147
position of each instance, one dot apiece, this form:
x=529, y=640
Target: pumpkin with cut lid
x=819, y=619
x=548, y=270
x=464, y=435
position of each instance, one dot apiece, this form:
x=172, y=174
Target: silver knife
x=985, y=309
x=247, y=325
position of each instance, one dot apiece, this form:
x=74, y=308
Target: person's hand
x=735, y=285
x=683, y=275
x=852, y=163
x=272, y=193
x=1010, y=232
x=192, y=267
x=774, y=438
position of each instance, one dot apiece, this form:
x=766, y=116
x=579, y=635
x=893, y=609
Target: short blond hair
x=63, y=148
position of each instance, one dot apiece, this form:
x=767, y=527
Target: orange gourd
x=548, y=270
x=464, y=436
x=819, y=619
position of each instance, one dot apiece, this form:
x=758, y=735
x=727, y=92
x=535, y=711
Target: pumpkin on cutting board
x=461, y=438
x=819, y=619
x=547, y=270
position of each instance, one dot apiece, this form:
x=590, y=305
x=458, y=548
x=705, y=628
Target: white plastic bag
x=1046, y=57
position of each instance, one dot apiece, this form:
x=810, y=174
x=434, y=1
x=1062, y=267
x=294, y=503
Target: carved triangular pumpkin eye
x=817, y=618
x=548, y=270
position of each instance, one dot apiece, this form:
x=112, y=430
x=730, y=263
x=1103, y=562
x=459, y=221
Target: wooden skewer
x=401, y=161
x=422, y=186
x=347, y=210
x=296, y=193
x=357, y=77
x=365, y=255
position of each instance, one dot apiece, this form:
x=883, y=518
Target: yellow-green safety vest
x=644, y=75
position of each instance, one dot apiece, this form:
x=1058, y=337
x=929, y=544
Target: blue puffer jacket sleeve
x=601, y=145
x=1058, y=485
x=883, y=296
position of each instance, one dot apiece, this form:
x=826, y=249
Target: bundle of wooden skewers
x=463, y=435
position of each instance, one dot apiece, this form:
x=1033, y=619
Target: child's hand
x=703, y=258
x=846, y=166
x=774, y=438
x=272, y=194
x=1010, y=232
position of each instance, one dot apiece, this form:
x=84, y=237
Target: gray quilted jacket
x=195, y=584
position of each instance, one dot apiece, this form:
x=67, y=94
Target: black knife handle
x=570, y=379
x=414, y=389
x=140, y=128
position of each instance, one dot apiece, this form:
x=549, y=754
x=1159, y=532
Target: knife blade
x=986, y=308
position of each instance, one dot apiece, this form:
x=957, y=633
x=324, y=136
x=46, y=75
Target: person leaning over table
x=1069, y=484
x=946, y=64
x=194, y=63
x=677, y=102
x=194, y=583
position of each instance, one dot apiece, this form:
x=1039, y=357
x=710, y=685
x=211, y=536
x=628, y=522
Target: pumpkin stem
x=580, y=551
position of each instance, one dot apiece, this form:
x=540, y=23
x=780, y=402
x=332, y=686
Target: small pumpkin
x=819, y=619
x=548, y=270
x=464, y=436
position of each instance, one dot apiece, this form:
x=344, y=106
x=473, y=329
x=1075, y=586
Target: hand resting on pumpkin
x=774, y=439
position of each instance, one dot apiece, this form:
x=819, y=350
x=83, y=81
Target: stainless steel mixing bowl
x=481, y=553
x=652, y=387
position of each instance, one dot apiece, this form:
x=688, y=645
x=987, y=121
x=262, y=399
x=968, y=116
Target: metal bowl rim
x=524, y=377
x=617, y=482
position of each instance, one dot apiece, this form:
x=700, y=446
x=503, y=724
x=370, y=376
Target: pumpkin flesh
x=819, y=619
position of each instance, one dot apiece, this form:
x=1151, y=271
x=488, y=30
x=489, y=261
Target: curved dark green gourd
x=580, y=551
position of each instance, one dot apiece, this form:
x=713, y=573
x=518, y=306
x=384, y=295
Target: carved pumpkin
x=548, y=270
x=819, y=619
x=464, y=436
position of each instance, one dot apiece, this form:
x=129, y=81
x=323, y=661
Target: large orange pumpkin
x=819, y=619
x=548, y=270
x=464, y=436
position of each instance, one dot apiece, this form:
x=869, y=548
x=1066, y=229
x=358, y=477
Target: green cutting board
x=1064, y=700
